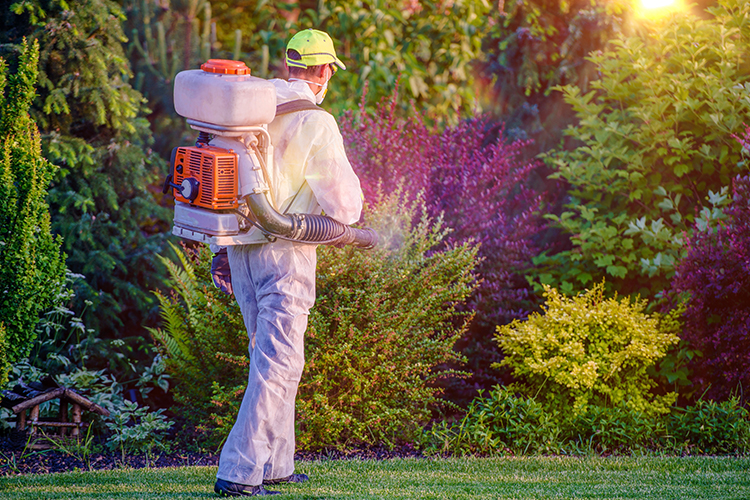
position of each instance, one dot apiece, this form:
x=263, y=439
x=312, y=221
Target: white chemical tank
x=222, y=99
x=224, y=93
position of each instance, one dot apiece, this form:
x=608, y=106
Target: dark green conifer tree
x=32, y=270
x=93, y=126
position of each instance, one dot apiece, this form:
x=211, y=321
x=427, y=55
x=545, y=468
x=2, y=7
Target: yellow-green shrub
x=589, y=350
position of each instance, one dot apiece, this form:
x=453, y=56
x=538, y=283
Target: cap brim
x=315, y=60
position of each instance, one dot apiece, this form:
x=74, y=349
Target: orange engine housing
x=216, y=171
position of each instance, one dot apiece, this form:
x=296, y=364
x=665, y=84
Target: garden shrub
x=709, y=427
x=198, y=323
x=135, y=429
x=497, y=423
x=714, y=279
x=653, y=140
x=481, y=186
x=502, y=423
x=530, y=47
x=615, y=429
x=382, y=323
x=589, y=350
x=385, y=147
x=392, y=313
x=471, y=178
x=32, y=269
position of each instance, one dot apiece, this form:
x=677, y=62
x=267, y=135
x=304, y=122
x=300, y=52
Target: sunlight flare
x=657, y=4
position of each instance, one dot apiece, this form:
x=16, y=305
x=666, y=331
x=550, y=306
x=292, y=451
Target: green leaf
x=604, y=260
x=681, y=169
x=617, y=271
x=584, y=278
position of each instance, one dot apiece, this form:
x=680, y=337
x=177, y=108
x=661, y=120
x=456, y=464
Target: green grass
x=460, y=478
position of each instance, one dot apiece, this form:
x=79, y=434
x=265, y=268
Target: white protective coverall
x=274, y=285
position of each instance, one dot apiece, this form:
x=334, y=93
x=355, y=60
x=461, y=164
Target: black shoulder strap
x=294, y=106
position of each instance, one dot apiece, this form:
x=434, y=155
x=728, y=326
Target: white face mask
x=321, y=93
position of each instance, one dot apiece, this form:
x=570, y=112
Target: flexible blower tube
x=309, y=228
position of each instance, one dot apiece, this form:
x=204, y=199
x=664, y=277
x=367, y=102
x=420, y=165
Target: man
x=274, y=282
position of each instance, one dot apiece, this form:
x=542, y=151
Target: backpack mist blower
x=222, y=184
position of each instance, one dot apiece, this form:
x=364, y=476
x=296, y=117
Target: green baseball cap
x=315, y=47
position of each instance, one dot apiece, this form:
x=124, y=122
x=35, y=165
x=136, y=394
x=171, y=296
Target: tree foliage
x=32, y=269
x=655, y=140
x=93, y=126
x=164, y=39
x=532, y=46
x=429, y=45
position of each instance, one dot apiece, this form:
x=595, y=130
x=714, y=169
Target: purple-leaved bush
x=478, y=183
x=470, y=176
x=715, y=276
x=386, y=149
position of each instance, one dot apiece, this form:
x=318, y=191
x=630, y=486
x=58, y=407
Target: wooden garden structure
x=67, y=420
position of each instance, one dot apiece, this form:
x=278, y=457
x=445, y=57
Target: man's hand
x=220, y=272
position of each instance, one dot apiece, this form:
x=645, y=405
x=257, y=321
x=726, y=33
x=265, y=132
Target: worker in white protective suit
x=274, y=282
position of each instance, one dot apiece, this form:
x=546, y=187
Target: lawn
x=458, y=478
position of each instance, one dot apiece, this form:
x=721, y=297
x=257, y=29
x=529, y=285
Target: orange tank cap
x=225, y=66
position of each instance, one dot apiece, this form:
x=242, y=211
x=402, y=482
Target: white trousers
x=274, y=285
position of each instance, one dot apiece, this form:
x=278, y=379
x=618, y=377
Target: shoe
x=294, y=478
x=229, y=489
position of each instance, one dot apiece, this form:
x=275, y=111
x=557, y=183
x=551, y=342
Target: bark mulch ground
x=14, y=459
x=48, y=461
